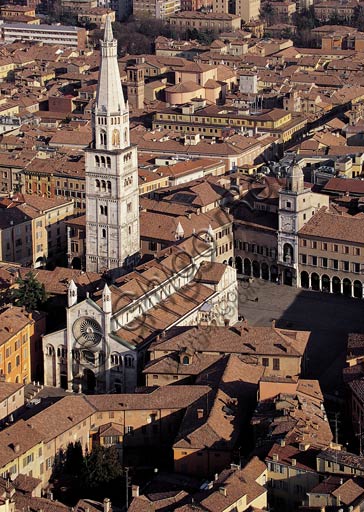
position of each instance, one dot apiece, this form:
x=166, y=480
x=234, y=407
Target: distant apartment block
x=158, y=9
x=246, y=9
x=122, y=8
x=193, y=5
x=77, y=6
x=96, y=16
x=342, y=9
x=206, y=21
x=72, y=37
x=283, y=11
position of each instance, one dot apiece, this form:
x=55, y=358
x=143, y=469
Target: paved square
x=329, y=317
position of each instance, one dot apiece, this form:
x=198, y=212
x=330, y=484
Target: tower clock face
x=287, y=224
x=87, y=332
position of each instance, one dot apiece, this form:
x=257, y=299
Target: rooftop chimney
x=200, y=414
x=222, y=490
x=107, y=505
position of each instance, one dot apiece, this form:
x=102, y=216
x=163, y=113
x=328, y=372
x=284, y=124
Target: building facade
x=73, y=37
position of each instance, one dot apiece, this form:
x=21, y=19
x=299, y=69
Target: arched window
x=108, y=161
x=126, y=136
x=101, y=209
x=109, y=186
x=76, y=354
x=103, y=184
x=185, y=360
x=50, y=350
x=115, y=359
x=97, y=184
x=116, y=137
x=102, y=161
x=103, y=138
x=129, y=230
x=103, y=233
x=129, y=362
x=9, y=367
x=97, y=161
x=105, y=210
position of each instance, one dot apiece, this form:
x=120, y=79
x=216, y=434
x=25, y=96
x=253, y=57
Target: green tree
x=267, y=13
x=358, y=18
x=30, y=293
x=74, y=463
x=102, y=467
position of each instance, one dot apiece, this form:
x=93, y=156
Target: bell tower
x=112, y=195
x=135, y=85
x=294, y=200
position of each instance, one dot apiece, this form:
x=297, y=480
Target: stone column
x=58, y=372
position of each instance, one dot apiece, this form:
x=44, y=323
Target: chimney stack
x=107, y=505
x=200, y=414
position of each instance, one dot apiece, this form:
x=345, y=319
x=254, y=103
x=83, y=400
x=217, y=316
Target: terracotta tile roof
x=349, y=492
x=355, y=346
x=158, y=502
x=223, y=410
x=25, y=502
x=17, y=440
x=326, y=224
x=183, y=87
x=111, y=429
x=170, y=364
x=165, y=397
x=244, y=340
x=328, y=485
x=357, y=387
x=293, y=417
x=236, y=484
x=25, y=483
x=39, y=203
x=342, y=457
x=290, y=455
x=86, y=505
x=163, y=227
x=344, y=186
x=8, y=388
x=61, y=416
x=13, y=320
x=165, y=314
x=56, y=281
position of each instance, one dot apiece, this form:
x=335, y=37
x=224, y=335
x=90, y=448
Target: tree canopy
x=30, y=293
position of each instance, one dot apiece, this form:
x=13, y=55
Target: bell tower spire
x=111, y=112
x=112, y=194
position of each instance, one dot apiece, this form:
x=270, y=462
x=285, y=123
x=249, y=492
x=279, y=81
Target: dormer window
x=185, y=360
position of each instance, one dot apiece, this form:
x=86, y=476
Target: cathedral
x=105, y=342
